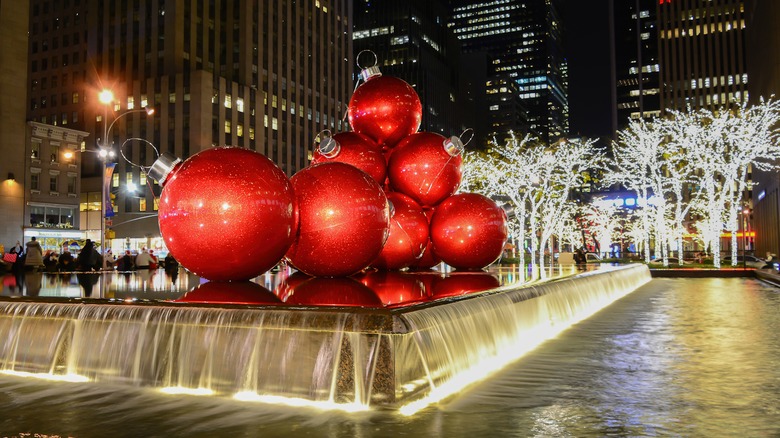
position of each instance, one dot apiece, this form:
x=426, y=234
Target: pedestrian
x=34, y=254
x=88, y=257
x=125, y=263
x=143, y=260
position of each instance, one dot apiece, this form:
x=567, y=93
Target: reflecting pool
x=679, y=357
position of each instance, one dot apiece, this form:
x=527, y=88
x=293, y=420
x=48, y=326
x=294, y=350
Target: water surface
x=678, y=357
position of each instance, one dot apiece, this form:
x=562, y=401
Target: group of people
x=32, y=257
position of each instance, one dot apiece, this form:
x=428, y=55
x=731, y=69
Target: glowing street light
x=106, y=97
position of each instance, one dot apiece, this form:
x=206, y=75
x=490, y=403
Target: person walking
x=34, y=257
x=143, y=260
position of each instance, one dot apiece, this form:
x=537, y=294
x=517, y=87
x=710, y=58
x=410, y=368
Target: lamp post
x=106, y=97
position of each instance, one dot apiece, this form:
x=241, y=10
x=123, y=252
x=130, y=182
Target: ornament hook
x=122, y=152
x=357, y=59
x=469, y=131
x=326, y=144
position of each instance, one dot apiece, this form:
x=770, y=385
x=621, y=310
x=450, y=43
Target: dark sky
x=587, y=41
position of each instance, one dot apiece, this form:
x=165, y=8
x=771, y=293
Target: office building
x=267, y=76
x=527, y=82
x=412, y=42
x=702, y=53
x=637, y=71
x=763, y=67
x=13, y=98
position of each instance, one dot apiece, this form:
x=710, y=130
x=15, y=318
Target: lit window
x=228, y=101
x=240, y=104
x=156, y=204
x=251, y=133
x=227, y=127
x=142, y=179
x=142, y=204
x=130, y=102
x=115, y=180
x=129, y=179
x=171, y=97
x=240, y=130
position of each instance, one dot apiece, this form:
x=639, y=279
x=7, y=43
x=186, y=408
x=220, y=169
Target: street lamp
x=106, y=97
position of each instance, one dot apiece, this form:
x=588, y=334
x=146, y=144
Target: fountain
x=392, y=354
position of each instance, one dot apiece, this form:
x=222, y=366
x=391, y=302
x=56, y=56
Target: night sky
x=587, y=40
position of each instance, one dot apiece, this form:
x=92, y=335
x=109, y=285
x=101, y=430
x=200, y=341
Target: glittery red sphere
x=463, y=283
x=332, y=292
x=344, y=220
x=395, y=289
x=237, y=292
x=468, y=231
x=408, y=234
x=227, y=214
x=385, y=109
x=421, y=168
x=359, y=151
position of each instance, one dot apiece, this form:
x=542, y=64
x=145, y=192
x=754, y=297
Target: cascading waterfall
x=326, y=356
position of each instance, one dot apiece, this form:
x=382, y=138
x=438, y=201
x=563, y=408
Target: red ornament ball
x=425, y=169
x=386, y=109
x=227, y=213
x=357, y=150
x=468, y=231
x=344, y=220
x=408, y=234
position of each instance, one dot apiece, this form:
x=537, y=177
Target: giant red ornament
x=225, y=213
x=384, y=108
x=408, y=234
x=344, y=220
x=429, y=259
x=354, y=149
x=426, y=167
x=468, y=231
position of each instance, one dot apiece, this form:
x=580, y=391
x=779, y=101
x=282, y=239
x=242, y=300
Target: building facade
x=763, y=66
x=13, y=101
x=527, y=86
x=412, y=42
x=702, y=53
x=637, y=69
x=266, y=76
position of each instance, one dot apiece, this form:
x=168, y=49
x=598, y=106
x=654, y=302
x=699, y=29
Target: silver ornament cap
x=163, y=166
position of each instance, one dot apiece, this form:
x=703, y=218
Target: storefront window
x=52, y=216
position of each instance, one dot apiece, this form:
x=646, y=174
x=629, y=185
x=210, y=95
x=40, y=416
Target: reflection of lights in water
x=75, y=378
x=249, y=396
x=177, y=390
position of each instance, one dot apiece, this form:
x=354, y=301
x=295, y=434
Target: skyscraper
x=411, y=41
x=702, y=53
x=636, y=60
x=267, y=76
x=528, y=80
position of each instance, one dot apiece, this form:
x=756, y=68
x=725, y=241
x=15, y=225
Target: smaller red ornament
x=344, y=220
x=226, y=214
x=384, y=108
x=468, y=231
x=408, y=234
x=426, y=167
x=353, y=149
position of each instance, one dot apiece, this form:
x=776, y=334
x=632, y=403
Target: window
x=240, y=104
x=53, y=183
x=228, y=101
x=172, y=98
x=115, y=180
x=240, y=130
x=129, y=178
x=142, y=179
x=156, y=204
x=227, y=127
x=55, y=153
x=71, y=185
x=37, y=216
x=251, y=133
x=36, y=150
x=35, y=181
x=142, y=204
